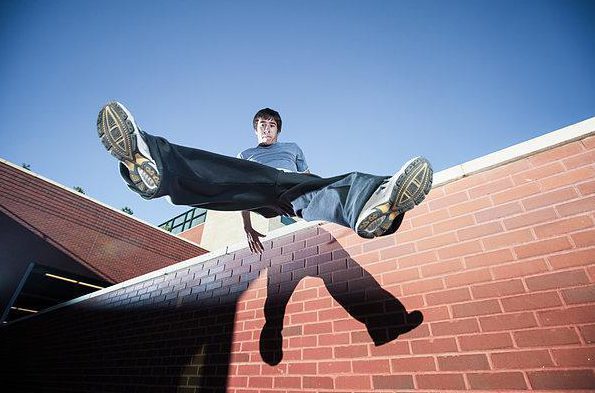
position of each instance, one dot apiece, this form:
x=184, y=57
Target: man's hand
x=253, y=240
x=252, y=235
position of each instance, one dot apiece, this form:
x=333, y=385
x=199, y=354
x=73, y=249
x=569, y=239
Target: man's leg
x=153, y=167
x=371, y=205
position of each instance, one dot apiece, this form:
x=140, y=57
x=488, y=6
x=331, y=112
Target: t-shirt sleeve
x=300, y=160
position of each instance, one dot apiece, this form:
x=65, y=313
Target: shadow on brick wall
x=174, y=333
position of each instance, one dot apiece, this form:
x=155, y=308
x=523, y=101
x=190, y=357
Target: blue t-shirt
x=286, y=156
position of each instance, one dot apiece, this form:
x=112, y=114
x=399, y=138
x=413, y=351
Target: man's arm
x=252, y=235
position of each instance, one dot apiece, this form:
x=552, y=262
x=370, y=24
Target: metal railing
x=185, y=221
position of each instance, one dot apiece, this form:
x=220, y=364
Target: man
x=286, y=157
x=153, y=167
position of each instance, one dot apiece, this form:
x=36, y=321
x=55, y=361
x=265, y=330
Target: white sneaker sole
x=120, y=135
x=406, y=189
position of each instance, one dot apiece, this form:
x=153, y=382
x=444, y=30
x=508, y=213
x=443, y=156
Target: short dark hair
x=267, y=114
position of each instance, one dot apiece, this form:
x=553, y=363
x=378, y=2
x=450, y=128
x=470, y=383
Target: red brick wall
x=500, y=263
x=194, y=234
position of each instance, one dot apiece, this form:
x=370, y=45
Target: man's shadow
x=383, y=315
x=175, y=332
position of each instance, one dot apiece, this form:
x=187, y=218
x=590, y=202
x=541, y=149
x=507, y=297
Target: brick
x=557, y=280
x=371, y=366
x=562, y=380
x=485, y=341
x=422, y=286
x=400, y=276
x=490, y=258
x=464, y=183
x=499, y=211
x=482, y=307
x=507, y=239
x=579, y=295
x=392, y=382
x=305, y=253
x=440, y=268
x=436, y=241
x=334, y=367
x=471, y=206
x=491, y=187
x=418, y=259
x=260, y=382
x=573, y=258
x=562, y=227
x=520, y=269
x=588, y=142
x=521, y=359
x=460, y=249
x=582, y=205
x=378, y=243
x=351, y=351
x=287, y=382
x=333, y=339
x=448, y=200
x=453, y=224
x=585, y=158
x=318, y=383
x=586, y=188
x=530, y=218
x=508, y=169
x=545, y=337
x=302, y=342
x=531, y=301
x=550, y=198
x=353, y=382
x=557, y=153
x=535, y=174
x=382, y=267
x=481, y=230
x=413, y=364
x=584, y=239
x=306, y=317
x=455, y=327
x=470, y=277
x=429, y=218
x=507, y=322
x=499, y=380
x=516, y=193
x=434, y=346
x=568, y=316
x=323, y=238
x=542, y=247
x=414, y=234
x=568, y=177
x=574, y=357
x=440, y=381
x=463, y=362
x=588, y=333
x=317, y=353
x=396, y=251
x=498, y=289
x=301, y=368
x=439, y=313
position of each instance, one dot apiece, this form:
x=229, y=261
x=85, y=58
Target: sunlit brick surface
x=500, y=263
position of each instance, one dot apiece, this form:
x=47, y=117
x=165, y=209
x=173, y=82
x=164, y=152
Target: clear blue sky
x=361, y=85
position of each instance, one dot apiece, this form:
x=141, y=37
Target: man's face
x=266, y=131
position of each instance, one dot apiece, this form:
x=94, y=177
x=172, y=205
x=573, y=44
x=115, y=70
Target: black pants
x=213, y=181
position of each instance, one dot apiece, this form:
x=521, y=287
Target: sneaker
x=396, y=195
x=121, y=136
